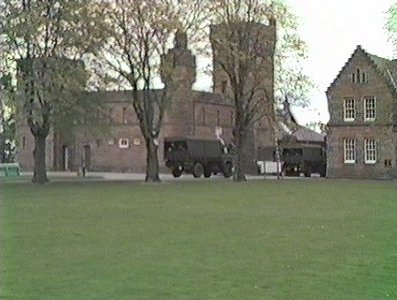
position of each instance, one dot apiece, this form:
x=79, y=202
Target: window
x=23, y=143
x=223, y=86
x=387, y=162
x=364, y=77
x=369, y=151
x=231, y=118
x=203, y=115
x=349, y=112
x=124, y=115
x=136, y=141
x=349, y=150
x=110, y=113
x=124, y=143
x=369, y=108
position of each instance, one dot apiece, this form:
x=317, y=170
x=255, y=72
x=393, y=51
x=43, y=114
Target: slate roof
x=116, y=95
x=289, y=127
x=303, y=134
x=211, y=98
x=386, y=67
x=125, y=95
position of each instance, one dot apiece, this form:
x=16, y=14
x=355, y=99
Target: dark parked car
x=197, y=156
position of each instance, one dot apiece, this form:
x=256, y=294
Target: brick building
x=192, y=113
x=362, y=138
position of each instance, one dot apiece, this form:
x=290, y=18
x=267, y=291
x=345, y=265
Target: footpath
x=109, y=176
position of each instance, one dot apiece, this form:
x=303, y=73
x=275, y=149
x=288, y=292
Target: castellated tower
x=178, y=66
x=178, y=73
x=260, y=36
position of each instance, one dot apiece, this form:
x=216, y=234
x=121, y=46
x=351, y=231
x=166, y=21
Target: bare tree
x=251, y=44
x=141, y=32
x=46, y=40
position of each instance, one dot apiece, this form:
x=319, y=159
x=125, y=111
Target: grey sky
x=332, y=30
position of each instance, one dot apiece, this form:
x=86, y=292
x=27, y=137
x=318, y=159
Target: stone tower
x=257, y=40
x=179, y=65
x=178, y=73
x=261, y=36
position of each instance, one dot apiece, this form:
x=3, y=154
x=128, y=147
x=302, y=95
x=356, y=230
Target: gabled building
x=362, y=102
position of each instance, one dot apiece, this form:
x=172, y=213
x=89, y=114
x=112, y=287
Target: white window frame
x=349, y=108
x=349, y=151
x=367, y=100
x=370, y=154
x=124, y=143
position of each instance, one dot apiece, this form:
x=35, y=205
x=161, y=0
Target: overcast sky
x=332, y=30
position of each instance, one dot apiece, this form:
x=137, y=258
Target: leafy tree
x=46, y=39
x=391, y=24
x=247, y=53
x=318, y=126
x=7, y=121
x=141, y=32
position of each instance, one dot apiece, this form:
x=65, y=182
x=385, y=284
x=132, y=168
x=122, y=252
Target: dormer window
x=359, y=77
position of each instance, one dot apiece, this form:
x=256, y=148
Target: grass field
x=300, y=239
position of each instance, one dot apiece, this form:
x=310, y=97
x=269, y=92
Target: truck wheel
x=228, y=170
x=198, y=170
x=207, y=172
x=177, y=172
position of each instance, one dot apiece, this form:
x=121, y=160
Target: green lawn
x=293, y=239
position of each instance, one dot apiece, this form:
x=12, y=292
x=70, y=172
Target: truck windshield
x=175, y=146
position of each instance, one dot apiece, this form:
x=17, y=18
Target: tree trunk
x=239, y=168
x=152, y=161
x=39, y=171
x=277, y=150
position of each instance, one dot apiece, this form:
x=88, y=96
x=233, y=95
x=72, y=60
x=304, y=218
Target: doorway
x=65, y=158
x=87, y=157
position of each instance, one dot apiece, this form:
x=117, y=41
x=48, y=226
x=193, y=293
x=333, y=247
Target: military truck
x=197, y=156
x=303, y=159
x=296, y=159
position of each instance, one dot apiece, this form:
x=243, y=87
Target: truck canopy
x=210, y=148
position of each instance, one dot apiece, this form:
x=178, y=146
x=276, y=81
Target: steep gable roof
x=385, y=67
